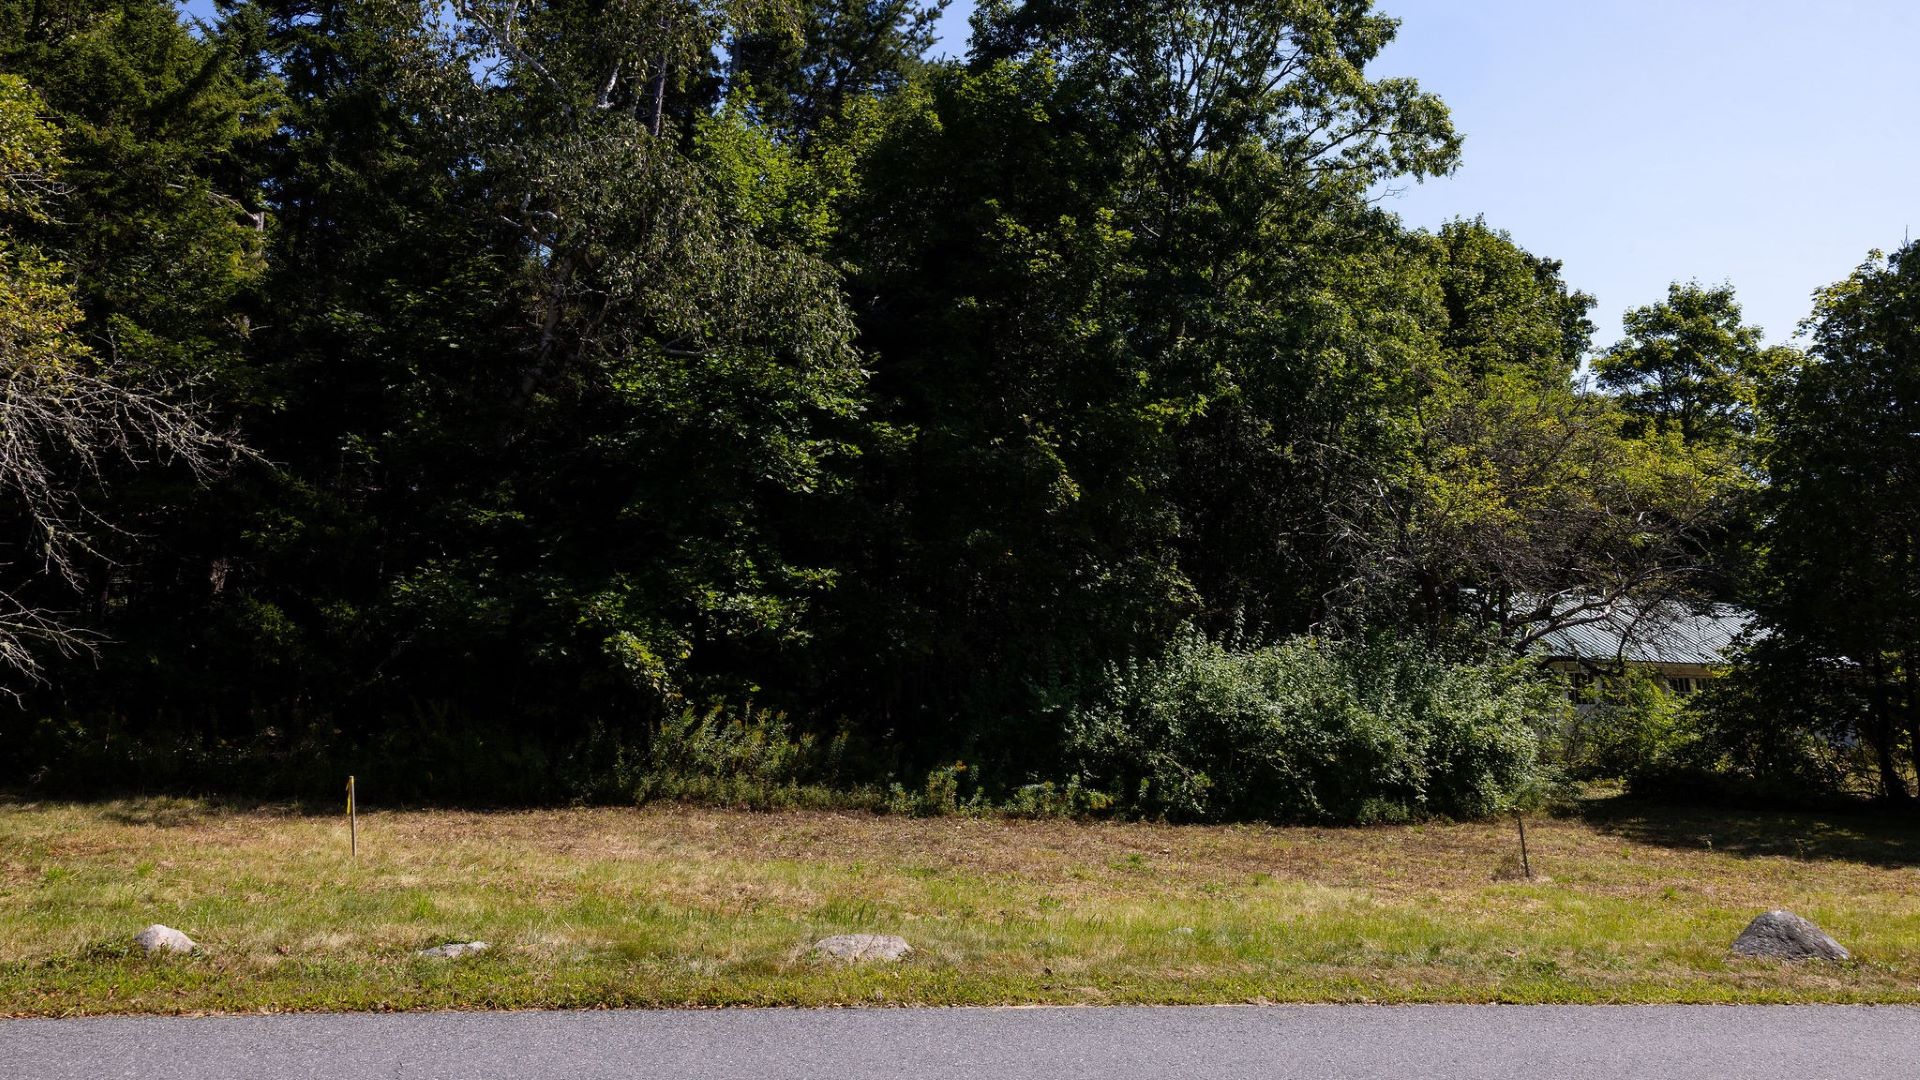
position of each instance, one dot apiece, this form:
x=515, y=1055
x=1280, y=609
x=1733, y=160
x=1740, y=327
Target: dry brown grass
x=681, y=906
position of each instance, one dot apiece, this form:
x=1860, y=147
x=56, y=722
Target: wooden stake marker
x=353, y=823
x=1526, y=864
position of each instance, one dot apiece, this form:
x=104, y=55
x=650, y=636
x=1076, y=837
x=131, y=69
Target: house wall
x=1679, y=678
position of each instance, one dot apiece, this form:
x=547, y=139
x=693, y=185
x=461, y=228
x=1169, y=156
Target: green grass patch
x=672, y=906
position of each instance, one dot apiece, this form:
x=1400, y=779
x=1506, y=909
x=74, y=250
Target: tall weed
x=751, y=759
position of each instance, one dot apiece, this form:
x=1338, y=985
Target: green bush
x=1311, y=731
x=1633, y=727
x=751, y=759
x=1790, y=721
x=1050, y=800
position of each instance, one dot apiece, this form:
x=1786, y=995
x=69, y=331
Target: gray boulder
x=858, y=947
x=455, y=951
x=1782, y=935
x=163, y=939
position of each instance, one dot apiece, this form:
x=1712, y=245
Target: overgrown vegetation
x=1632, y=727
x=753, y=761
x=605, y=367
x=1315, y=732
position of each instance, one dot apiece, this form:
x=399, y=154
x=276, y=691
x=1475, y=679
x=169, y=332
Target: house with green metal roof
x=1681, y=646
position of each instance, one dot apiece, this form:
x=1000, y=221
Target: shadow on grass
x=171, y=811
x=1863, y=835
x=184, y=804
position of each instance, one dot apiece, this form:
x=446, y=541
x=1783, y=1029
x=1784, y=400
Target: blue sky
x=1766, y=143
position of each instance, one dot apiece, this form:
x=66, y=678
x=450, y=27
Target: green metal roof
x=1658, y=634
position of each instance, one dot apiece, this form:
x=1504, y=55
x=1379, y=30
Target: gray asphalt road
x=1322, y=1043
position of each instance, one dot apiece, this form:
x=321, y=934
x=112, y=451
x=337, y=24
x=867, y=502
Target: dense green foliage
x=1839, y=580
x=1632, y=727
x=603, y=367
x=1310, y=731
x=1689, y=366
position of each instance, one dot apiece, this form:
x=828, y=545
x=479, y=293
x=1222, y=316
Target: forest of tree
x=478, y=395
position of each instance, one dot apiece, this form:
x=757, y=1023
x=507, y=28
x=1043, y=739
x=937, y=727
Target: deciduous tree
x=1841, y=532
x=1689, y=365
x=69, y=419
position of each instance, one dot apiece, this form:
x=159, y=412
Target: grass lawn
x=669, y=906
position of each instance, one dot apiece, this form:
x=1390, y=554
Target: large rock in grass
x=859, y=947
x=454, y=951
x=163, y=939
x=1782, y=935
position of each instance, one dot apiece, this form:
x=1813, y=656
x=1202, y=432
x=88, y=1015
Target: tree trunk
x=659, y=92
x=1880, y=733
x=1913, y=712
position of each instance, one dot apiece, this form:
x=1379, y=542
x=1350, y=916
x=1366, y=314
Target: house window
x=1577, y=684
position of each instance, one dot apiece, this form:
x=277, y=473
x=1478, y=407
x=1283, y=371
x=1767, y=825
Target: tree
x=1509, y=314
x=161, y=223
x=164, y=231
x=1841, y=531
x=542, y=356
x=1519, y=504
x=803, y=71
x=656, y=386
x=1099, y=273
x=67, y=417
x=1690, y=366
x=609, y=358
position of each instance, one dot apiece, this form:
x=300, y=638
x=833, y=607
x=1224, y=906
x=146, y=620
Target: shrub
x=1634, y=727
x=1793, y=722
x=1050, y=800
x=751, y=759
x=1311, y=731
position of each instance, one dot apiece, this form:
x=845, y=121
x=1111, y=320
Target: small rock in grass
x=1782, y=935
x=858, y=947
x=1182, y=931
x=163, y=939
x=454, y=951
